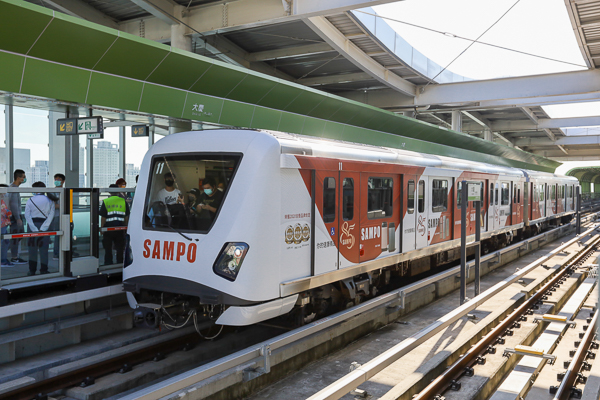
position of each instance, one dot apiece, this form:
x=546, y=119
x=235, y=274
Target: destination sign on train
x=139, y=131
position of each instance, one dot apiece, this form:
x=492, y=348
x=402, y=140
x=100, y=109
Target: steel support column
x=457, y=121
x=9, y=137
x=122, y=153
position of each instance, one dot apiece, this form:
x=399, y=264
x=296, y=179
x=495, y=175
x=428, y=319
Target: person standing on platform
x=114, y=212
x=16, y=221
x=39, y=213
x=5, y=220
x=59, y=182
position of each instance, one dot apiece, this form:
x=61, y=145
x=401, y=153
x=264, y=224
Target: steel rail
x=362, y=374
x=111, y=365
x=564, y=389
x=442, y=382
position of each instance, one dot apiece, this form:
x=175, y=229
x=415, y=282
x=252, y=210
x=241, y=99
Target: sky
x=540, y=27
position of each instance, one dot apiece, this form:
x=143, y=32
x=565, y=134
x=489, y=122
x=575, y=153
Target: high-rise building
x=131, y=172
x=40, y=172
x=22, y=160
x=106, y=164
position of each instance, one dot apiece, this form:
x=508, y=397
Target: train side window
x=380, y=198
x=519, y=196
x=411, y=197
x=535, y=193
x=491, y=194
x=328, y=200
x=553, y=192
x=421, y=197
x=481, y=194
x=514, y=194
x=348, y=199
x=496, y=197
x=458, y=194
x=505, y=194
x=439, y=199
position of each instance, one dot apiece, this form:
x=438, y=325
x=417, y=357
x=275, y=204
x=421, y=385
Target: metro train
x=310, y=224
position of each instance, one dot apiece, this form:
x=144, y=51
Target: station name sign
x=79, y=126
x=139, y=131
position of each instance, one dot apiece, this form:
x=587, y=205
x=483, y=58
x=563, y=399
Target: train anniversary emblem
x=347, y=238
x=305, y=233
x=421, y=226
x=289, y=235
x=297, y=234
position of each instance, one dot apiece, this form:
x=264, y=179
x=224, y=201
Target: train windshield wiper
x=178, y=231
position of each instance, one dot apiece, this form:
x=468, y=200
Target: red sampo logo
x=170, y=251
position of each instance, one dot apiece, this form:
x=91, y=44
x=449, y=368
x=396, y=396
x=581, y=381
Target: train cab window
x=569, y=191
x=348, y=199
x=421, y=197
x=182, y=193
x=410, y=206
x=505, y=194
x=328, y=200
x=439, y=196
x=380, y=198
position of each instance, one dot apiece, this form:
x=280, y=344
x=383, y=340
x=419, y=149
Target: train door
x=409, y=212
x=504, y=204
x=422, y=206
x=326, y=240
x=377, y=219
x=349, y=228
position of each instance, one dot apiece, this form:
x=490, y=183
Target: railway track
x=450, y=379
x=257, y=358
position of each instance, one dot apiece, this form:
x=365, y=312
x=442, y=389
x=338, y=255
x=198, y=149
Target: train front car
x=199, y=236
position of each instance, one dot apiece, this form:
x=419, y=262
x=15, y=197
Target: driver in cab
x=209, y=201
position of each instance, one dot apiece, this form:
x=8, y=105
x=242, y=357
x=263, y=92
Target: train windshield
x=186, y=192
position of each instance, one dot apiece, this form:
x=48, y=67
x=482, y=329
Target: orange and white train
x=307, y=224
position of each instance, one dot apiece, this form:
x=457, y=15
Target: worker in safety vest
x=114, y=212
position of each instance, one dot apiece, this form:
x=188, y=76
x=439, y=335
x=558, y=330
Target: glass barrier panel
x=80, y=246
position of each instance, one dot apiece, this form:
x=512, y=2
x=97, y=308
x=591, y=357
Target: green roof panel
x=21, y=24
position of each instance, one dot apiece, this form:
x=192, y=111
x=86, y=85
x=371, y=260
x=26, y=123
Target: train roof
x=322, y=147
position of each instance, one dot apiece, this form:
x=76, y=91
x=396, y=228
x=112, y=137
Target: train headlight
x=230, y=260
x=128, y=256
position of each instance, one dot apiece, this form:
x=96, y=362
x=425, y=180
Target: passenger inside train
x=195, y=175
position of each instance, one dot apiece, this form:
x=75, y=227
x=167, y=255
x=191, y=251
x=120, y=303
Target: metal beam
x=320, y=7
x=290, y=52
x=562, y=141
x=351, y=52
x=229, y=52
x=78, y=8
x=332, y=79
x=574, y=155
x=228, y=16
x=525, y=91
x=544, y=123
x=161, y=9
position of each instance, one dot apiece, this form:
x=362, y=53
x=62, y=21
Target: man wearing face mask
x=169, y=195
x=210, y=201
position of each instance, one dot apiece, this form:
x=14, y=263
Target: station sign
x=140, y=131
x=473, y=191
x=66, y=126
x=95, y=135
x=79, y=126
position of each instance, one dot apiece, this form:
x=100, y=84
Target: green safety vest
x=116, y=210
